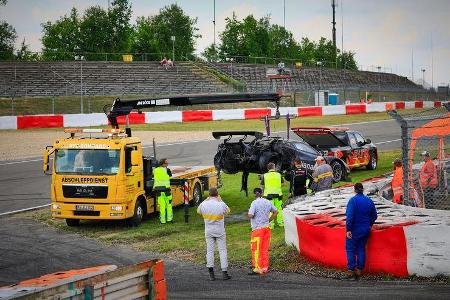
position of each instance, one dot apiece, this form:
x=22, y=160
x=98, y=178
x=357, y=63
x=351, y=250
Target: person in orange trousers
x=397, y=182
x=428, y=180
x=261, y=213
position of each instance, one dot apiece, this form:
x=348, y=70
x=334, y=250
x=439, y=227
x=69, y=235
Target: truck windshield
x=87, y=161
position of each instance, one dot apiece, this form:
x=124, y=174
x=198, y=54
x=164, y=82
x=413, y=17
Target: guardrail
x=143, y=280
x=99, y=119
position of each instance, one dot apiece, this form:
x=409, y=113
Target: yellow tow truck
x=107, y=177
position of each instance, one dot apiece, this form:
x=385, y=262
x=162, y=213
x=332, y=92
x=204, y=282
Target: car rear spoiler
x=218, y=134
x=318, y=129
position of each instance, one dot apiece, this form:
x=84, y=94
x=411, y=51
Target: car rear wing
x=218, y=134
x=306, y=129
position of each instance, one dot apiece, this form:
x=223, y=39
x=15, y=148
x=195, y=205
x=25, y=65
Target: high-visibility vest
x=427, y=176
x=272, y=183
x=397, y=184
x=161, y=178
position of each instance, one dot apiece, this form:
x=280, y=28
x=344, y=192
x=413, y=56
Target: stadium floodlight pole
x=379, y=83
x=284, y=14
x=80, y=58
x=423, y=78
x=173, y=47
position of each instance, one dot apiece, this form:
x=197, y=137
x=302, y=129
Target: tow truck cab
x=108, y=178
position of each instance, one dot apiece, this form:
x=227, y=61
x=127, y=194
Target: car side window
x=359, y=138
x=352, y=138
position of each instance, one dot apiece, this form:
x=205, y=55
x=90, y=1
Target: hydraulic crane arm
x=124, y=107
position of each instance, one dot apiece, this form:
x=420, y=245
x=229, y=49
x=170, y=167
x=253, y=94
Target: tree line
x=97, y=32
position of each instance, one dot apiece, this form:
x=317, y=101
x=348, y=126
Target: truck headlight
x=56, y=206
x=116, y=207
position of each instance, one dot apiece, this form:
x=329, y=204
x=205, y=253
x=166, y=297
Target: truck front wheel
x=197, y=195
x=136, y=219
x=73, y=222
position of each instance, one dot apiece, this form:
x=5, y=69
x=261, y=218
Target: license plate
x=84, y=207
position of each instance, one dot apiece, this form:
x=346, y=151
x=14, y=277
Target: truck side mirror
x=368, y=141
x=135, y=157
x=45, y=166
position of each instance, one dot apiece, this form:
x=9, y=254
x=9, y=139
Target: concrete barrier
x=141, y=281
x=98, y=119
x=404, y=240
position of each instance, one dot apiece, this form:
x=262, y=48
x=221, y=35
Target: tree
x=95, y=32
x=144, y=38
x=24, y=53
x=346, y=60
x=153, y=34
x=120, y=27
x=258, y=38
x=60, y=39
x=8, y=37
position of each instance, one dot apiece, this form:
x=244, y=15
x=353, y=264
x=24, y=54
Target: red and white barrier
x=404, y=240
x=98, y=119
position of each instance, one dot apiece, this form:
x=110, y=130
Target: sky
x=398, y=35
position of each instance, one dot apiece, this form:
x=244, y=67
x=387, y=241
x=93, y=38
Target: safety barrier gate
x=141, y=281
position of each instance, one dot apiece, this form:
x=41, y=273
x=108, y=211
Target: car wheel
x=136, y=219
x=338, y=171
x=73, y=222
x=373, y=162
x=197, y=195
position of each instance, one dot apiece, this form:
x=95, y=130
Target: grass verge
x=165, y=239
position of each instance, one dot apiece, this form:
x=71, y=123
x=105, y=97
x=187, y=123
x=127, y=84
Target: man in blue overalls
x=361, y=215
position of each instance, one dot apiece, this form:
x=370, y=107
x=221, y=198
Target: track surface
x=30, y=249
x=22, y=184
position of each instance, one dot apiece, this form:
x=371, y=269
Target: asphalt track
x=30, y=249
x=23, y=185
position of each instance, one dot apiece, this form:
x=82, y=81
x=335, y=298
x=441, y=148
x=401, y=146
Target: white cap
x=319, y=158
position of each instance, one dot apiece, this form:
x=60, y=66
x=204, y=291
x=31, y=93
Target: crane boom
x=124, y=107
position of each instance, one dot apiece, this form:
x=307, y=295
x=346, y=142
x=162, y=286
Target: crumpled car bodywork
x=252, y=151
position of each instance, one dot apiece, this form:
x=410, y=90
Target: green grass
x=276, y=125
x=165, y=239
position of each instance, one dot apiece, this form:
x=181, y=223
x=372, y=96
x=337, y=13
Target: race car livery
x=348, y=145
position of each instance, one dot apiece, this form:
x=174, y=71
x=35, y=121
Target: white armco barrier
x=428, y=104
x=228, y=114
x=404, y=240
x=333, y=110
x=410, y=104
x=97, y=119
x=8, y=122
x=292, y=111
x=163, y=117
x=85, y=120
x=377, y=107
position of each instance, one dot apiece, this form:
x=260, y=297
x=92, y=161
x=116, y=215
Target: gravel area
x=20, y=144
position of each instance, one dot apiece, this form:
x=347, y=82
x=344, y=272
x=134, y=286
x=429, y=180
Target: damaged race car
x=348, y=145
x=252, y=151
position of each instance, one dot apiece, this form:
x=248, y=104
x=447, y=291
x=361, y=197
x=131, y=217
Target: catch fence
x=426, y=157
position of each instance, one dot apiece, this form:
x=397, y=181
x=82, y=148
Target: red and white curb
x=99, y=119
x=404, y=240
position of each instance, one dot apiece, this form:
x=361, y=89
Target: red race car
x=348, y=145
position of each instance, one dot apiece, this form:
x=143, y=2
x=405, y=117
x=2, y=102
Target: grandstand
x=29, y=79
x=45, y=79
x=310, y=78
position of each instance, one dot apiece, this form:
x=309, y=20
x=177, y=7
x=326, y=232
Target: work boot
x=358, y=274
x=212, y=277
x=225, y=275
x=351, y=276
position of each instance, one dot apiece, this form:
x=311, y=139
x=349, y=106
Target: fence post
x=12, y=105
x=53, y=105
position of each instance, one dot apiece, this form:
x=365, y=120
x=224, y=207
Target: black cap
x=257, y=191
